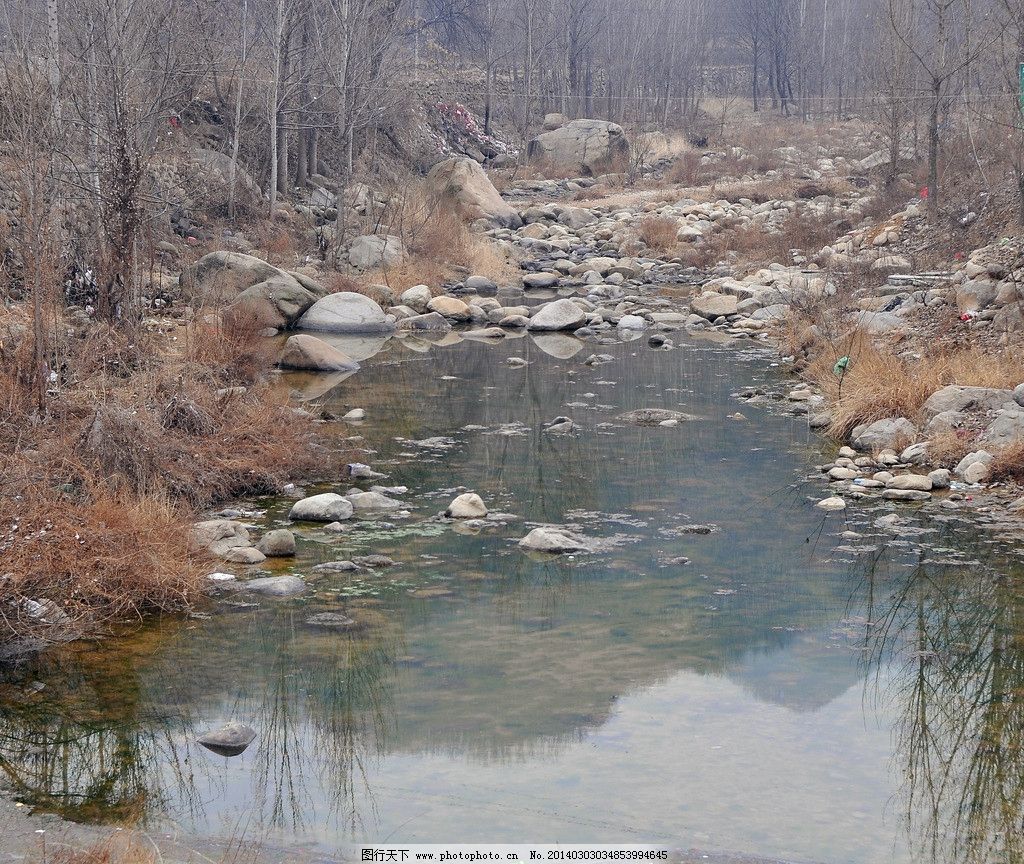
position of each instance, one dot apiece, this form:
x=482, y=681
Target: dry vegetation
x=98, y=491
x=879, y=383
x=439, y=246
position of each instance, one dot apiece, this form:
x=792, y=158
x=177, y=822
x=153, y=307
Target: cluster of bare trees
x=95, y=90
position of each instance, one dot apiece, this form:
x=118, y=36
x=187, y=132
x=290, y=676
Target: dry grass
x=879, y=383
x=439, y=246
x=659, y=232
x=1008, y=463
x=685, y=170
x=104, y=479
x=947, y=448
x=92, y=557
x=119, y=849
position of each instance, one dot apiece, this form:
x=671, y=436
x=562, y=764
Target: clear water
x=787, y=693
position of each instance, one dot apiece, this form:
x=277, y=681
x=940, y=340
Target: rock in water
x=326, y=507
x=230, y=740
x=467, y=506
x=279, y=543
x=275, y=586
x=332, y=621
x=833, y=503
x=653, y=416
x=308, y=353
x=558, y=315
x=551, y=538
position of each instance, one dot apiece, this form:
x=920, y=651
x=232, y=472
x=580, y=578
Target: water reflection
x=957, y=635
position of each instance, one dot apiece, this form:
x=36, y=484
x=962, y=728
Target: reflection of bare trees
x=320, y=703
x=89, y=757
x=325, y=712
x=954, y=641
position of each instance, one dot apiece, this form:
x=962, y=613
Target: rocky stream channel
x=721, y=665
x=585, y=586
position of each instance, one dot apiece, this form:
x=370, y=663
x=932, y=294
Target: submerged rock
x=551, y=538
x=230, y=740
x=333, y=621
x=653, y=416
x=275, y=586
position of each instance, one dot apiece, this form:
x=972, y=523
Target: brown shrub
x=659, y=232
x=685, y=169
x=231, y=347
x=947, y=448
x=86, y=558
x=1008, y=463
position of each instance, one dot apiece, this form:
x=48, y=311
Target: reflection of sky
x=693, y=761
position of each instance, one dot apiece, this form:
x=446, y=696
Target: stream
x=728, y=672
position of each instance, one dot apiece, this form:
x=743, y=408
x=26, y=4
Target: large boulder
x=462, y=183
x=892, y=433
x=586, y=147
x=326, y=507
x=712, y=305
x=346, y=312
x=559, y=315
x=958, y=398
x=370, y=251
x=308, y=353
x=251, y=285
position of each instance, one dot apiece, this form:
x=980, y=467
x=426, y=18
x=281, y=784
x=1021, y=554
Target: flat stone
x=275, y=586
x=555, y=540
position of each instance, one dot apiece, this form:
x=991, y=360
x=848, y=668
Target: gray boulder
x=711, y=305
x=430, y=321
x=554, y=539
x=586, y=147
x=279, y=543
x=362, y=501
x=370, y=251
x=467, y=506
x=461, y=183
x=958, y=398
x=890, y=433
x=1006, y=429
x=275, y=586
x=346, y=312
x=558, y=315
x=230, y=740
x=251, y=285
x=326, y=507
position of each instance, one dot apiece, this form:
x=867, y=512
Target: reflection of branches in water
x=55, y=756
x=955, y=639
x=326, y=710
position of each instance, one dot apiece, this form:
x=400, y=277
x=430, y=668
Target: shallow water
x=787, y=693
